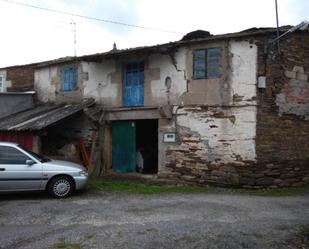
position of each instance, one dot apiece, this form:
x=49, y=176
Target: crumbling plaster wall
x=221, y=132
x=294, y=98
x=43, y=83
x=101, y=83
x=243, y=72
x=105, y=79
x=47, y=83
x=173, y=66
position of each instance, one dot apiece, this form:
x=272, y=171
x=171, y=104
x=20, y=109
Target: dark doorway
x=147, y=144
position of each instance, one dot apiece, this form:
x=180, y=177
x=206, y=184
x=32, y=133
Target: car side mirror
x=30, y=162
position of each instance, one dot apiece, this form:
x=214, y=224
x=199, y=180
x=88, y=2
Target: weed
x=102, y=185
x=140, y=188
x=62, y=244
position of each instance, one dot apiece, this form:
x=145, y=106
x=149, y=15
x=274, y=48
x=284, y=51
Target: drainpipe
x=277, y=21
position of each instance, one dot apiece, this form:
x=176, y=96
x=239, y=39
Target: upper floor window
x=1, y=83
x=207, y=63
x=68, y=78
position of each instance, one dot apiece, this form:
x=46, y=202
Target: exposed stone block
x=188, y=178
x=218, y=173
x=298, y=69
x=290, y=74
x=247, y=181
x=265, y=181
x=302, y=76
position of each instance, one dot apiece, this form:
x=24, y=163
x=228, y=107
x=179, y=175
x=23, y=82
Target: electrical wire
x=91, y=18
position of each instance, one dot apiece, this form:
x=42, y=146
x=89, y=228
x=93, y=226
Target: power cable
x=91, y=18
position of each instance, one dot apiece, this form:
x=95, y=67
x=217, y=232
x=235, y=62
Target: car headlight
x=83, y=173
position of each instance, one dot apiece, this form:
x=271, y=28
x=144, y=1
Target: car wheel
x=60, y=187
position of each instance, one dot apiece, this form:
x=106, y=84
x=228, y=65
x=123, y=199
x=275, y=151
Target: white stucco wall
x=99, y=85
x=43, y=85
x=175, y=72
x=226, y=139
x=96, y=81
x=243, y=66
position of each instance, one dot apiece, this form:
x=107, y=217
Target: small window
x=9, y=155
x=68, y=78
x=1, y=83
x=207, y=63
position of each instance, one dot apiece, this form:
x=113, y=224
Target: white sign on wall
x=169, y=137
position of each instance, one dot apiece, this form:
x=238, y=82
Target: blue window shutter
x=74, y=78
x=134, y=84
x=68, y=78
x=63, y=79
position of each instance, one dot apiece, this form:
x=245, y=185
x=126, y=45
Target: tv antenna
x=277, y=22
x=74, y=31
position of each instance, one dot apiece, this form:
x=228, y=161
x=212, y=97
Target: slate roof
x=41, y=116
x=165, y=47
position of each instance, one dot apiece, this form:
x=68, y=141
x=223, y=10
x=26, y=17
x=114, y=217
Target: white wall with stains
x=177, y=73
x=226, y=135
x=223, y=135
x=243, y=64
x=98, y=84
x=44, y=85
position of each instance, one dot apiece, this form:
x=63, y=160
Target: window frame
x=206, y=71
x=69, y=86
x=27, y=157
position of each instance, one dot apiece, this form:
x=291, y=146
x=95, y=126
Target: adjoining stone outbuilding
x=229, y=110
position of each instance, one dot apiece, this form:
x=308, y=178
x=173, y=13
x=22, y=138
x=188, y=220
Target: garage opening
x=147, y=146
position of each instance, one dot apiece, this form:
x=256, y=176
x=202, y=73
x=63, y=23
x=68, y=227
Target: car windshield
x=41, y=158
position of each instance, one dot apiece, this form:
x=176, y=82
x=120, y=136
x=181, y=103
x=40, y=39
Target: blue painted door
x=134, y=84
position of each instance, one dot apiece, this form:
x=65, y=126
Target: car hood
x=59, y=164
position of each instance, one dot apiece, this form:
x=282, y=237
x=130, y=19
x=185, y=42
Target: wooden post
x=93, y=150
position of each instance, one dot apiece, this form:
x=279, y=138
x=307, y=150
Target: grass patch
x=62, y=244
x=103, y=185
x=141, y=188
x=88, y=237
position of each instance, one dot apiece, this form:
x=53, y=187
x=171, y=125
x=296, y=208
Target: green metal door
x=123, y=146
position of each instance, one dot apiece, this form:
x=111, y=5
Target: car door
x=15, y=173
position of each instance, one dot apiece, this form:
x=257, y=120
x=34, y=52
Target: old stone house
x=226, y=110
x=24, y=120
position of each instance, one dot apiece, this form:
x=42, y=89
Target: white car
x=24, y=170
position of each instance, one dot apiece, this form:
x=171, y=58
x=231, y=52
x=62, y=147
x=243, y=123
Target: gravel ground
x=150, y=221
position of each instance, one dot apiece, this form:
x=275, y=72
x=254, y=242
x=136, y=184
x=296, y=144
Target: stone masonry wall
x=21, y=78
x=219, y=151
x=282, y=141
x=216, y=145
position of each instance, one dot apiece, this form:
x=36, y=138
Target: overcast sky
x=31, y=35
